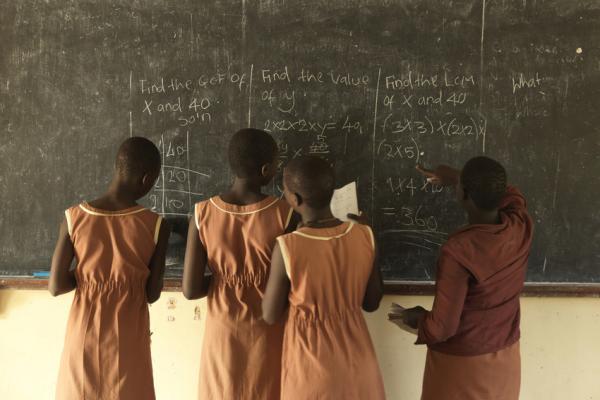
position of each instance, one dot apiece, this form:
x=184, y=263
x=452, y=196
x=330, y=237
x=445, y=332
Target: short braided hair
x=249, y=150
x=312, y=178
x=138, y=156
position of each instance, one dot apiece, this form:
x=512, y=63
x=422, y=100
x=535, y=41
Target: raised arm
x=295, y=220
x=155, y=282
x=513, y=199
x=443, y=175
x=62, y=278
x=195, y=284
x=278, y=289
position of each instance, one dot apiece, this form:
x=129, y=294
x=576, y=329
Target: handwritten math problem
x=374, y=89
x=391, y=121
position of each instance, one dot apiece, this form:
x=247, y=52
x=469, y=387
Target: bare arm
x=278, y=289
x=374, y=291
x=62, y=279
x=294, y=221
x=195, y=285
x=154, y=285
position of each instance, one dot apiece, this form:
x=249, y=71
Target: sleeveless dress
x=327, y=349
x=241, y=354
x=107, y=345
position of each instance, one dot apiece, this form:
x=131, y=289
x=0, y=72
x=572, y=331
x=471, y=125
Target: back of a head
x=249, y=150
x=484, y=181
x=312, y=178
x=138, y=156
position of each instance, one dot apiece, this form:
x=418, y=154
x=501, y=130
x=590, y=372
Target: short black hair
x=138, y=156
x=249, y=150
x=484, y=181
x=312, y=178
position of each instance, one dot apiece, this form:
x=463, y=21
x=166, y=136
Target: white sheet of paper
x=344, y=202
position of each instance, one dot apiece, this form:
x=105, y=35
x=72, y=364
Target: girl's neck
x=244, y=192
x=484, y=217
x=319, y=217
x=118, y=197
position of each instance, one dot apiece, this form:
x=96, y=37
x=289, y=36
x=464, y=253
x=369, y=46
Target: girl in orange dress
x=233, y=234
x=325, y=271
x=120, y=250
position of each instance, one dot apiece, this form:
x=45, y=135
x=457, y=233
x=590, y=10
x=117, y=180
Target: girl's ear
x=461, y=195
x=465, y=194
x=264, y=170
x=297, y=200
x=147, y=180
x=268, y=170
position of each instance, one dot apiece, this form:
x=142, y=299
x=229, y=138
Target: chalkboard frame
x=401, y=288
x=375, y=41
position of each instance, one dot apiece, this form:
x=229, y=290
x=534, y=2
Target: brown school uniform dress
x=241, y=354
x=107, y=345
x=473, y=329
x=327, y=350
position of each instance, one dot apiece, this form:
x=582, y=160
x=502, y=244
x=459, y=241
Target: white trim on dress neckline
x=243, y=212
x=110, y=214
x=326, y=237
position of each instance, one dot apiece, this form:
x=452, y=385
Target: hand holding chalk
x=442, y=175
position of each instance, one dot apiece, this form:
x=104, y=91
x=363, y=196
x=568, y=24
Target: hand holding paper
x=344, y=202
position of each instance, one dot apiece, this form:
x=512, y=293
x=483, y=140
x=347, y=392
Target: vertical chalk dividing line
x=191, y=34
x=482, y=130
x=484, y=133
x=250, y=96
x=556, y=181
x=244, y=22
x=544, y=266
x=372, y=211
x=162, y=144
x=481, y=72
x=481, y=54
x=130, y=94
x=189, y=174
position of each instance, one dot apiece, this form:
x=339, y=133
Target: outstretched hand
x=411, y=316
x=442, y=175
x=406, y=319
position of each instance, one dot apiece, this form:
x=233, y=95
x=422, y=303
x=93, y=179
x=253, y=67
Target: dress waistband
x=240, y=280
x=316, y=318
x=111, y=285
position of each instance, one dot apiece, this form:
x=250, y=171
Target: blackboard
x=374, y=86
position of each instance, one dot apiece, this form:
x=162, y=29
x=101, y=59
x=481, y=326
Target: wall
x=560, y=347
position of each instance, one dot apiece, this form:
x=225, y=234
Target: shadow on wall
x=8, y=299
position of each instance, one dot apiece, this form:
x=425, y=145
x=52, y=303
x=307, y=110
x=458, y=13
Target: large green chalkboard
x=375, y=86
